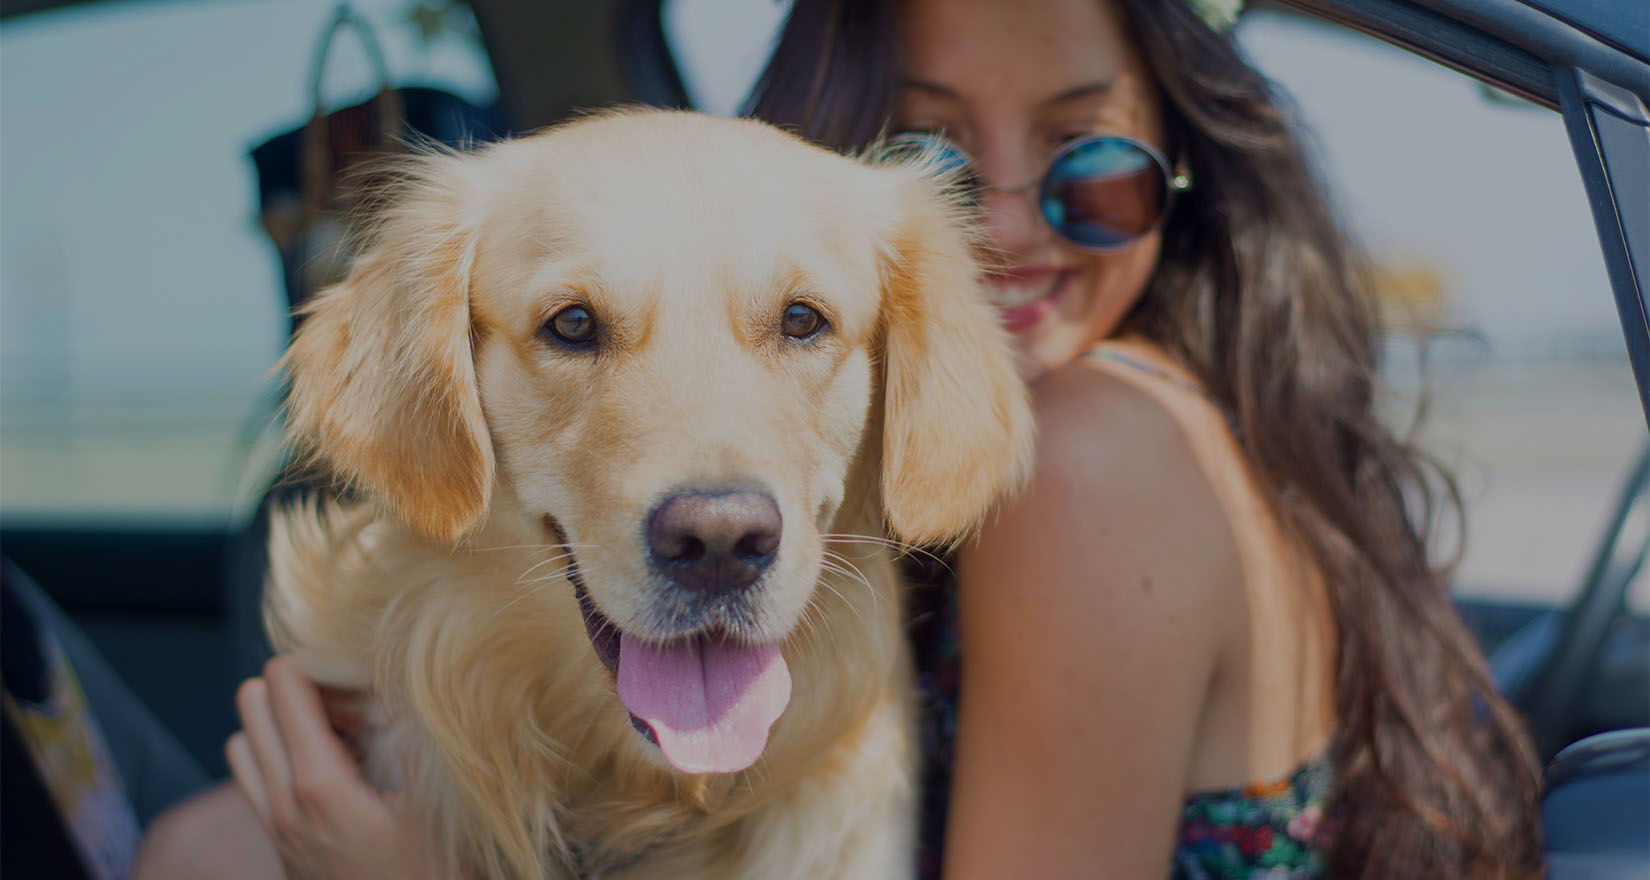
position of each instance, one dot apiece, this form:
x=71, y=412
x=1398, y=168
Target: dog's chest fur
x=526, y=720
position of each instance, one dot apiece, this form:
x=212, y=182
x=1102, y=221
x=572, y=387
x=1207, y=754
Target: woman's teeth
x=1016, y=296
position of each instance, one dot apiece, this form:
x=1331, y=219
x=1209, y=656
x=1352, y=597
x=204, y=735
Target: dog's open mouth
x=706, y=700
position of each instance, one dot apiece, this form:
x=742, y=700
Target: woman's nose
x=1013, y=225
x=1008, y=200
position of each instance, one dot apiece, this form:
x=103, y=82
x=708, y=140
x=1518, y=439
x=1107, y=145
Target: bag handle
x=317, y=161
x=344, y=17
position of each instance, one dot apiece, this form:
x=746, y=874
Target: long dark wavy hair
x=1263, y=297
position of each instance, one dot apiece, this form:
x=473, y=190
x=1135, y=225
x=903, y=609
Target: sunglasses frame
x=941, y=150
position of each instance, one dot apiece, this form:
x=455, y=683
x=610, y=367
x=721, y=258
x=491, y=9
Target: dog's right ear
x=381, y=376
x=957, y=428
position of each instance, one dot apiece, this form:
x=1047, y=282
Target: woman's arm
x=1092, y=613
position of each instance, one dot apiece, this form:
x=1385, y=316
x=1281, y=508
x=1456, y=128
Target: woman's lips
x=1025, y=295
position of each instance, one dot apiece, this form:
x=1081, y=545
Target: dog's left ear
x=381, y=378
x=957, y=424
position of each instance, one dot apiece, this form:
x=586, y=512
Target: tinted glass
x=1104, y=192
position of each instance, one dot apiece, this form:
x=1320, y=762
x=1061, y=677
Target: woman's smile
x=1025, y=295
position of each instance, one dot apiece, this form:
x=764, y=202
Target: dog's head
x=682, y=350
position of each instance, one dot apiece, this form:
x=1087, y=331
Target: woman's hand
x=307, y=791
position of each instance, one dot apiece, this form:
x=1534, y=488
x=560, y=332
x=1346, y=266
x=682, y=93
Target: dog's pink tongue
x=710, y=702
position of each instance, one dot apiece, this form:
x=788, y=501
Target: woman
x=1209, y=638
x=1209, y=635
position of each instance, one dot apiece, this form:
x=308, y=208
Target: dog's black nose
x=714, y=542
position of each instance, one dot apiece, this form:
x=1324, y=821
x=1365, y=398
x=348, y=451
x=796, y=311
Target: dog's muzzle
x=705, y=698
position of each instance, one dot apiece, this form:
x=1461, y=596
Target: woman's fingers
x=269, y=751
x=323, y=771
x=245, y=769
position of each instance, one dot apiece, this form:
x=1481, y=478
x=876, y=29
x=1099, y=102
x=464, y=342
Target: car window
x=720, y=47
x=1472, y=208
x=141, y=306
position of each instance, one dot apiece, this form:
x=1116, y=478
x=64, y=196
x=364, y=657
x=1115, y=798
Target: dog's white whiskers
x=820, y=625
x=609, y=627
x=552, y=560
x=506, y=606
x=533, y=585
x=593, y=572
x=752, y=776
x=807, y=625
x=541, y=580
x=855, y=539
x=860, y=575
x=893, y=544
x=585, y=569
x=561, y=551
x=530, y=585
x=844, y=600
x=499, y=548
x=851, y=571
x=841, y=560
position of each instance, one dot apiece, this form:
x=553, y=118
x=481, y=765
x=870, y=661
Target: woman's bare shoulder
x=1120, y=519
x=1118, y=469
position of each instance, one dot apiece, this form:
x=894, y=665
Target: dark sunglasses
x=1100, y=193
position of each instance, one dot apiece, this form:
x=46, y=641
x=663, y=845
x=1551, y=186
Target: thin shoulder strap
x=1101, y=352
x=1106, y=353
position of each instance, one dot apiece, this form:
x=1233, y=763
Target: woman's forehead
x=1034, y=52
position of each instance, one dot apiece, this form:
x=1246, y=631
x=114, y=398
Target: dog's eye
x=573, y=325
x=801, y=321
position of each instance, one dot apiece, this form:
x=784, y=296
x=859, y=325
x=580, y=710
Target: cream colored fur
x=425, y=380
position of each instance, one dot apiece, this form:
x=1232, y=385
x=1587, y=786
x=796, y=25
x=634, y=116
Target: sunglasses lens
x=1104, y=192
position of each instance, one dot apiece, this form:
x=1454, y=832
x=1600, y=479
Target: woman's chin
x=1038, y=353
x=1029, y=368
x=1048, y=348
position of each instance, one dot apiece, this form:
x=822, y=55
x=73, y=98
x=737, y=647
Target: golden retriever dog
x=637, y=409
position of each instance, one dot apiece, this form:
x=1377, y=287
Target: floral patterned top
x=1262, y=831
